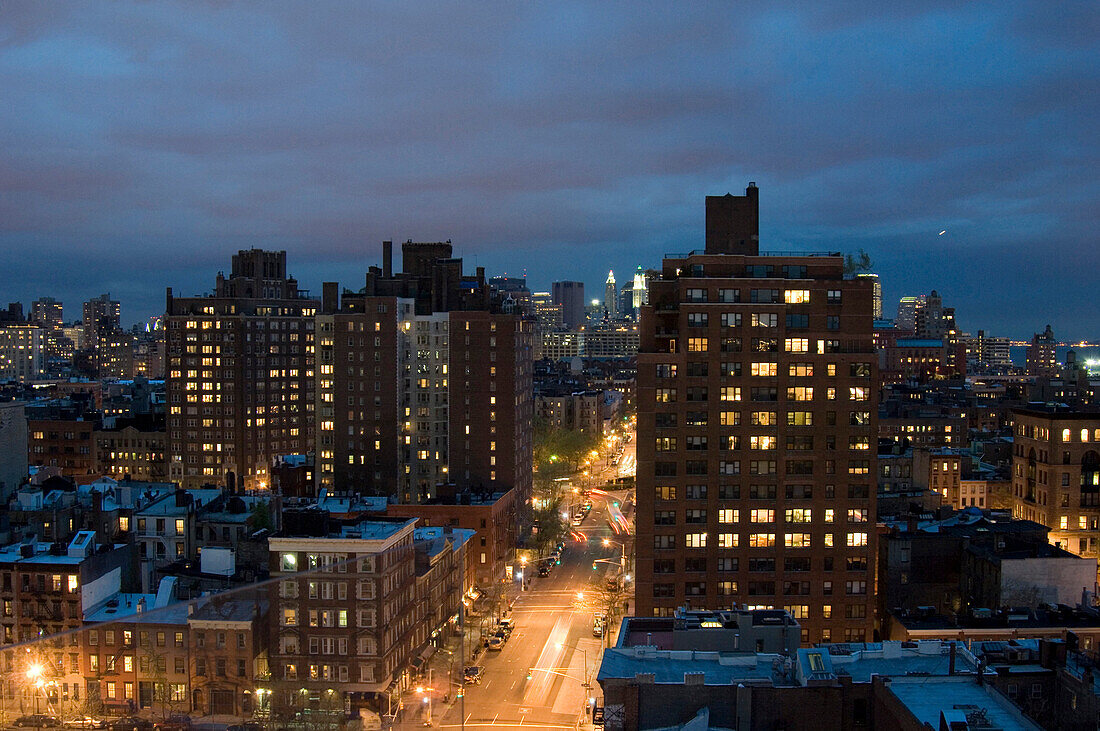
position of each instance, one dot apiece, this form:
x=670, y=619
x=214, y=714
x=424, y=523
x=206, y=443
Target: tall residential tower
x=757, y=418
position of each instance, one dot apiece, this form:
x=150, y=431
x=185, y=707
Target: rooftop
x=927, y=698
x=824, y=663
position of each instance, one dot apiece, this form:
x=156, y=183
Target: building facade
x=569, y=296
x=1056, y=474
x=756, y=433
x=423, y=381
x=240, y=385
x=342, y=603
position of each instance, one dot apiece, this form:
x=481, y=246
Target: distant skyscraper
x=22, y=351
x=611, y=296
x=907, y=312
x=640, y=291
x=1042, y=358
x=876, y=292
x=987, y=352
x=547, y=314
x=48, y=313
x=570, y=297
x=101, y=314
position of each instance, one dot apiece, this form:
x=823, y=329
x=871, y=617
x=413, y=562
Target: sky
x=144, y=143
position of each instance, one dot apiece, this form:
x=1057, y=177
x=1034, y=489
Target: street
x=552, y=643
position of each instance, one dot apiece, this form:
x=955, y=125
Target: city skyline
x=144, y=154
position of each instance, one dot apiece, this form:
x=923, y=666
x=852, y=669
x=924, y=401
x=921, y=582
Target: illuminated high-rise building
x=423, y=381
x=876, y=290
x=757, y=416
x=611, y=296
x=240, y=384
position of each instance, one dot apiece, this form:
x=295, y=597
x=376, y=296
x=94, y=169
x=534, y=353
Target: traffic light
x=528, y=673
x=593, y=565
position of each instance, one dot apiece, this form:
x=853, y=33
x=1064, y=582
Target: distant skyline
x=146, y=142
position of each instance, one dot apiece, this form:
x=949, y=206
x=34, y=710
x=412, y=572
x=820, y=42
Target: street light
x=34, y=674
x=562, y=646
x=622, y=560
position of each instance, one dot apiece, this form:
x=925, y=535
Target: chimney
x=387, y=259
x=951, y=661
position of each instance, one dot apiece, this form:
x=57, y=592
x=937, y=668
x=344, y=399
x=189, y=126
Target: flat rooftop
x=927, y=697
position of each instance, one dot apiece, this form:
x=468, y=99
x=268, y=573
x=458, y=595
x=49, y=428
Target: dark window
x=762, y=492
x=697, y=467
x=802, y=563
x=800, y=466
x=798, y=321
x=664, y=566
x=762, y=565
x=696, y=565
x=697, y=369
x=764, y=393
x=767, y=296
x=799, y=492
x=696, y=492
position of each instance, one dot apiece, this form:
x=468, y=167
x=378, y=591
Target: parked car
x=508, y=624
x=174, y=723
x=544, y=569
x=86, y=722
x=496, y=643
x=131, y=723
x=37, y=720
x=472, y=675
x=597, y=628
x=246, y=726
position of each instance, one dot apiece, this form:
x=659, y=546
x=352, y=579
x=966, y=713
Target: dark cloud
x=145, y=143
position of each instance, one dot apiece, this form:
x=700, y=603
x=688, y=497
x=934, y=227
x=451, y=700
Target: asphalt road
x=552, y=642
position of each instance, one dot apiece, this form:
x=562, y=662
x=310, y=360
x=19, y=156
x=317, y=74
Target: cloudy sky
x=144, y=143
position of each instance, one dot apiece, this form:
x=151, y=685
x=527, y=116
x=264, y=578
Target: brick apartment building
x=757, y=415
x=1056, y=474
x=422, y=381
x=45, y=590
x=241, y=380
x=342, y=630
